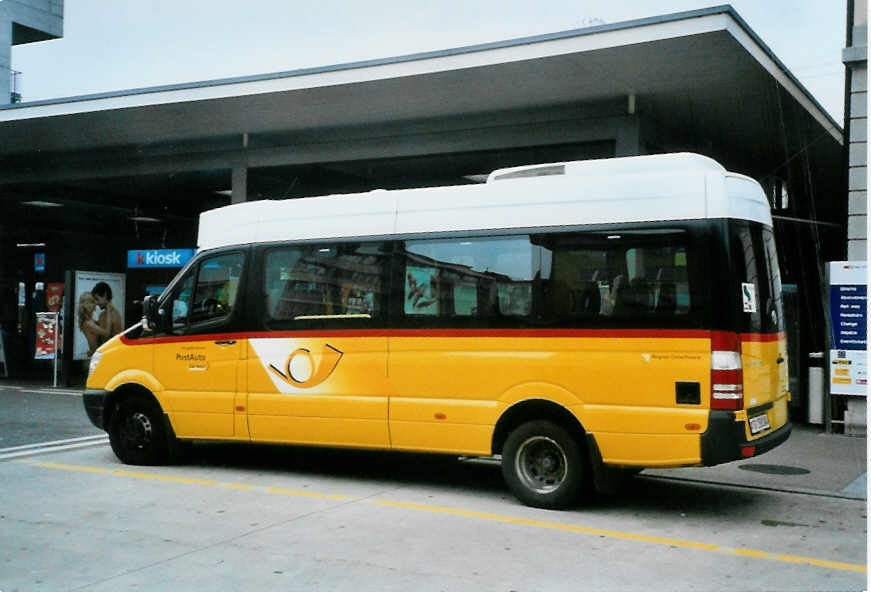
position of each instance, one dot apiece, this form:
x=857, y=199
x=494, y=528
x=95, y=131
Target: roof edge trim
x=786, y=72
x=426, y=55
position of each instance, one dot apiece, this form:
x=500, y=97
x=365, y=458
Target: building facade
x=24, y=21
x=855, y=58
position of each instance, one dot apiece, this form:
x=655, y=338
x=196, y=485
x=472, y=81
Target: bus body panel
x=443, y=390
x=200, y=385
x=765, y=369
x=318, y=390
x=766, y=379
x=649, y=450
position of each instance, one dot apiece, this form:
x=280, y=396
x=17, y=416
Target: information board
x=848, y=307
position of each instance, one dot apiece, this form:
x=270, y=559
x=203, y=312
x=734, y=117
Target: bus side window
x=310, y=284
x=485, y=280
x=624, y=275
x=217, y=284
x=179, y=304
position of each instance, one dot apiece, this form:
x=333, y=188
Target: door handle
x=780, y=360
x=226, y=342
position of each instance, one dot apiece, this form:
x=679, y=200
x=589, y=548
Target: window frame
x=267, y=323
x=193, y=270
x=697, y=242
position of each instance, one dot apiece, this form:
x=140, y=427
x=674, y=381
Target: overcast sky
x=113, y=45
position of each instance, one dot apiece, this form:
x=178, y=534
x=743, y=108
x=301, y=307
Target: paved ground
x=810, y=461
x=37, y=413
x=236, y=517
x=257, y=518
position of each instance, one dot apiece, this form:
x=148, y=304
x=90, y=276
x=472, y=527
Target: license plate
x=759, y=424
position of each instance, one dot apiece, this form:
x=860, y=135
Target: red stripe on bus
x=763, y=337
x=504, y=333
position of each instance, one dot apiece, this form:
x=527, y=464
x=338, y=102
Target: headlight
x=95, y=359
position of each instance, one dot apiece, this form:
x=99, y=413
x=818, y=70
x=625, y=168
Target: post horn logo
x=301, y=369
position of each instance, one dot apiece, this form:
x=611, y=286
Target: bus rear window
x=757, y=276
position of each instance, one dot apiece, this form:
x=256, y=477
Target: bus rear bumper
x=725, y=440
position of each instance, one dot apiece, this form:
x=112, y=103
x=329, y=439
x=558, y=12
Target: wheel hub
x=137, y=430
x=541, y=464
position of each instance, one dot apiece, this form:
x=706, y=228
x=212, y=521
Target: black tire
x=543, y=465
x=137, y=433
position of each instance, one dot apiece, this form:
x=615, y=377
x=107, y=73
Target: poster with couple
x=99, y=310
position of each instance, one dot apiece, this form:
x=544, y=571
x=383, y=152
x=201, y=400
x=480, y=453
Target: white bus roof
x=661, y=187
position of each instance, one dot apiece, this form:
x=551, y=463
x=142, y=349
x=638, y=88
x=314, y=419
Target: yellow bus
x=581, y=320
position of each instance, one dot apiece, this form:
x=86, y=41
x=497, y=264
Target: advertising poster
x=54, y=296
x=99, y=310
x=47, y=336
x=421, y=290
x=848, y=305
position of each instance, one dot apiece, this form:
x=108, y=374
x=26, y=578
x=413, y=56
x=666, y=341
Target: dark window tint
x=207, y=293
x=217, y=286
x=757, y=273
x=617, y=275
x=616, y=278
x=325, y=285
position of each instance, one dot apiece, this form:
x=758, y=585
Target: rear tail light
x=727, y=373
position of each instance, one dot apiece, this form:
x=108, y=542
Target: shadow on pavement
x=399, y=469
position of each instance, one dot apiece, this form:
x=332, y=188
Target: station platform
x=810, y=461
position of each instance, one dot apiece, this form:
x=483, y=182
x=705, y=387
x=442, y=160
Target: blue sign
x=151, y=258
x=849, y=316
x=39, y=262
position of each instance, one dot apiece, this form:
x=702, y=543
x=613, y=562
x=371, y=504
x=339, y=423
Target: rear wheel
x=137, y=433
x=543, y=465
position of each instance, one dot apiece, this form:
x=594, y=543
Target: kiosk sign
x=159, y=258
x=848, y=305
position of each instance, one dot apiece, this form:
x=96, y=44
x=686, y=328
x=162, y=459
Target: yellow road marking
x=50, y=465
x=552, y=525
x=615, y=534
x=239, y=486
x=296, y=492
x=157, y=477
x=630, y=536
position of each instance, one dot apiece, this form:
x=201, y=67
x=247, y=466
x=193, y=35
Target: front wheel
x=543, y=465
x=137, y=433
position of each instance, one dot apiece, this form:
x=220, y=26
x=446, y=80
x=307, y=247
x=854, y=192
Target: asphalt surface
x=252, y=517
x=38, y=413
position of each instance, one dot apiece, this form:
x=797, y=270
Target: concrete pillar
x=240, y=174
x=856, y=59
x=240, y=183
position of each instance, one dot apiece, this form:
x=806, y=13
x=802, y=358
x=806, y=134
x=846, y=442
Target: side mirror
x=151, y=317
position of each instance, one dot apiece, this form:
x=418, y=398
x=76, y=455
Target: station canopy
x=698, y=81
